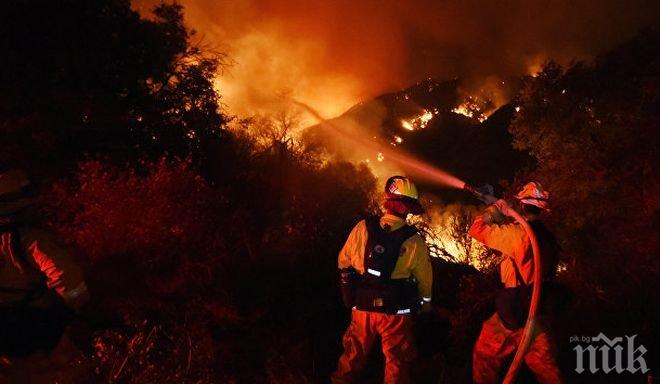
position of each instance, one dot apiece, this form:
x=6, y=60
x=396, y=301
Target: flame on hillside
x=446, y=233
x=535, y=65
x=473, y=108
x=417, y=122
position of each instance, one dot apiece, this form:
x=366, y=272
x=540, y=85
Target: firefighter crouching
x=386, y=277
x=501, y=333
x=40, y=285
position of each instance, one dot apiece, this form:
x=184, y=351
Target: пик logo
x=612, y=354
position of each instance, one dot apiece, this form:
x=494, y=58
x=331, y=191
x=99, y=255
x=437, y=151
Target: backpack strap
x=385, y=247
x=549, y=247
x=404, y=233
x=376, y=290
x=374, y=231
x=519, y=278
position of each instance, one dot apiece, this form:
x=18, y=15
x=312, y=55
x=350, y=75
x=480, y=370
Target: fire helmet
x=400, y=188
x=534, y=194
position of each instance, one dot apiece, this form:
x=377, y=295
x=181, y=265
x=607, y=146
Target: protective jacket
x=497, y=232
x=413, y=260
x=30, y=263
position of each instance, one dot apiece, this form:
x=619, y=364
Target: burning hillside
x=422, y=120
x=334, y=54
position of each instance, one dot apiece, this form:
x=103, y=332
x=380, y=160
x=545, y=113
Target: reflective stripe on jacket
x=414, y=259
x=41, y=254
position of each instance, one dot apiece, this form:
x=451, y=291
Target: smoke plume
x=332, y=54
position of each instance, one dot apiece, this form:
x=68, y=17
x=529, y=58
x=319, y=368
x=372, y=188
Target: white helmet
x=534, y=194
x=403, y=189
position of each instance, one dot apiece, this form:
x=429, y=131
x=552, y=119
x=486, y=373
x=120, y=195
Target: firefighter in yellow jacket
x=39, y=282
x=501, y=333
x=386, y=278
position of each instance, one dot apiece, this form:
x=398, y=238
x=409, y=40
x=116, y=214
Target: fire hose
x=528, y=330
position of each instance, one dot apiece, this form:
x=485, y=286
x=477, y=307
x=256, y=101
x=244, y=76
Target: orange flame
x=417, y=122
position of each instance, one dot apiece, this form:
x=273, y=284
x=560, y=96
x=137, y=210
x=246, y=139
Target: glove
x=504, y=207
x=487, y=194
x=483, y=193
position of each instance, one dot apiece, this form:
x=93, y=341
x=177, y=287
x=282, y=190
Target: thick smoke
x=332, y=54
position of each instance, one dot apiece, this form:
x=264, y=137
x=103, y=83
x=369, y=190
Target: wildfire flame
x=470, y=108
x=417, y=122
x=446, y=234
x=535, y=64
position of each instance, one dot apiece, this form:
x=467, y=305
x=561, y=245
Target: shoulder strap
x=373, y=225
x=404, y=233
x=374, y=233
x=549, y=249
x=519, y=277
x=383, y=248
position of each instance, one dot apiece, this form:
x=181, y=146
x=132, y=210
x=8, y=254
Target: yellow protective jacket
x=39, y=258
x=491, y=229
x=414, y=259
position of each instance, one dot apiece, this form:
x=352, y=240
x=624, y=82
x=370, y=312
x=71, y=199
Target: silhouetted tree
x=593, y=131
x=94, y=77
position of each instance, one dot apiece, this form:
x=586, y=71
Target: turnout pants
x=396, y=336
x=496, y=344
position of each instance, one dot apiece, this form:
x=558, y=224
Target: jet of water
x=411, y=165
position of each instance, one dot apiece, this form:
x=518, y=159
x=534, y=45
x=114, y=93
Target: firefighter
x=386, y=278
x=501, y=333
x=40, y=285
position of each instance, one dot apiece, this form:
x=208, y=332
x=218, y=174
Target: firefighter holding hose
x=501, y=333
x=386, y=278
